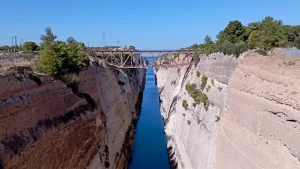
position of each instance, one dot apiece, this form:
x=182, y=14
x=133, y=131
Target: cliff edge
x=47, y=124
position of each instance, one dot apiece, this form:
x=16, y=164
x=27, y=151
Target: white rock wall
x=194, y=143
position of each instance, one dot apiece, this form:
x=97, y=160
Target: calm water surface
x=149, y=151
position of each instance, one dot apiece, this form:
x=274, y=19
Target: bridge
x=137, y=58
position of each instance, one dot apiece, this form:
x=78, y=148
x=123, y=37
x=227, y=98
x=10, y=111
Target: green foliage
x=297, y=43
x=235, y=32
x=49, y=63
x=49, y=37
x=29, y=46
x=57, y=58
x=229, y=48
x=5, y=47
x=193, y=92
x=266, y=34
x=198, y=74
x=188, y=122
x=262, y=52
x=203, y=82
x=185, y=104
x=194, y=46
x=176, y=55
x=209, y=45
x=204, y=99
x=74, y=83
x=131, y=47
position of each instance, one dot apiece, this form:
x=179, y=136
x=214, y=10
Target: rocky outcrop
x=192, y=131
x=251, y=120
x=260, y=123
x=46, y=124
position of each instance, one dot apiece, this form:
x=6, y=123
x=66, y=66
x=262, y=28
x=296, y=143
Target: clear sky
x=151, y=24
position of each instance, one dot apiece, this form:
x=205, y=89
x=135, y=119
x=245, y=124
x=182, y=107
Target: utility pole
x=16, y=43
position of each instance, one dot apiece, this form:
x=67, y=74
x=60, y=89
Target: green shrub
x=229, y=48
x=73, y=83
x=261, y=52
x=297, y=42
x=59, y=58
x=204, y=98
x=49, y=63
x=29, y=46
x=185, y=104
x=188, y=122
x=203, y=82
x=198, y=74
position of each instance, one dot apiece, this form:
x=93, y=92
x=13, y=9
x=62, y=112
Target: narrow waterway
x=149, y=151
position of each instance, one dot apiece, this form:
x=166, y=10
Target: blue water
x=149, y=151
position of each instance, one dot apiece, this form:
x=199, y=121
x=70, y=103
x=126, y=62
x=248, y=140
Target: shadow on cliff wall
x=172, y=159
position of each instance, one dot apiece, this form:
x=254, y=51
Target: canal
x=149, y=151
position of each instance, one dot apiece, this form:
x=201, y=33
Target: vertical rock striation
x=48, y=125
x=191, y=132
x=252, y=120
x=260, y=123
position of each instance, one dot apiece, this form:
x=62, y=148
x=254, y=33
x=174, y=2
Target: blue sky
x=152, y=24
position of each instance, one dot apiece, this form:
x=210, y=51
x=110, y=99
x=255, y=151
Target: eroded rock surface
x=259, y=126
x=252, y=123
x=48, y=125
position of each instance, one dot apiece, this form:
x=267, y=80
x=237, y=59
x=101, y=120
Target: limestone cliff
x=260, y=122
x=250, y=118
x=46, y=124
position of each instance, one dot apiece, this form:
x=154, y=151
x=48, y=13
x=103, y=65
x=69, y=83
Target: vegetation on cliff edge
x=58, y=58
x=237, y=38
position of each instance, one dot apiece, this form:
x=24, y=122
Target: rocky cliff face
x=260, y=123
x=250, y=118
x=45, y=124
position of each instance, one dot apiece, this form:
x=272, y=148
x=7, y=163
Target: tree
x=254, y=40
x=235, y=32
x=71, y=41
x=194, y=46
x=272, y=34
x=29, y=46
x=209, y=46
x=297, y=42
x=49, y=37
x=58, y=58
x=131, y=47
x=208, y=40
x=5, y=47
x=50, y=63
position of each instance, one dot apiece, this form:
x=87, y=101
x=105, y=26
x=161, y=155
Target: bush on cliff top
x=58, y=58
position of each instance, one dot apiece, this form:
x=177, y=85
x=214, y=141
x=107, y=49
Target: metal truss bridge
x=137, y=59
